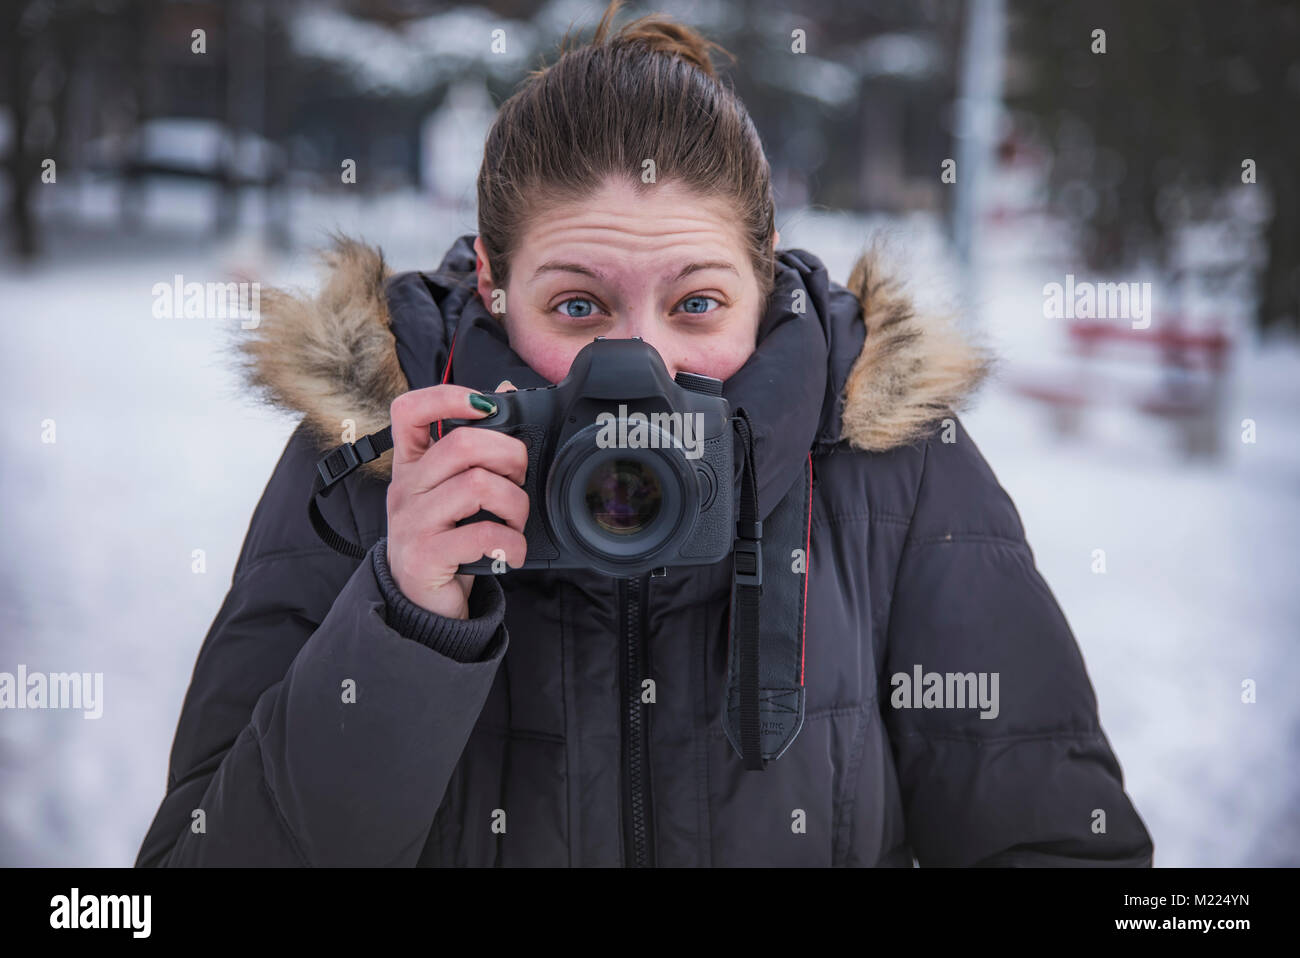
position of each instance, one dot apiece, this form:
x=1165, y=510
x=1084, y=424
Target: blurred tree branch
x=1153, y=132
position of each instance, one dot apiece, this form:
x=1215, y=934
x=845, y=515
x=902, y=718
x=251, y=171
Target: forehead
x=617, y=228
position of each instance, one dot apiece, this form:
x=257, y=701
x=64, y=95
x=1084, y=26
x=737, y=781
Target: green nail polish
x=482, y=403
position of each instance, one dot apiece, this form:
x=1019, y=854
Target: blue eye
x=700, y=301
x=581, y=313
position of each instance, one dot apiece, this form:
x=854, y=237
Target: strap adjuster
x=338, y=463
x=748, y=556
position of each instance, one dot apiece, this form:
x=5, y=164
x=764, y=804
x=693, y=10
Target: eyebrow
x=558, y=267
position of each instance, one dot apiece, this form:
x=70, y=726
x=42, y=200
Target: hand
x=435, y=484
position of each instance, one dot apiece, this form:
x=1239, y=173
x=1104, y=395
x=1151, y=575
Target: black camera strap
x=765, y=695
x=331, y=469
x=747, y=592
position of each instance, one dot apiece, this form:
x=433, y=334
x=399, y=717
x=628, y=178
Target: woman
x=390, y=711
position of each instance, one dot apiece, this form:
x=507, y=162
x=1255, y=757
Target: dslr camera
x=629, y=470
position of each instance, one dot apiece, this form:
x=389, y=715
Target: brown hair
x=648, y=91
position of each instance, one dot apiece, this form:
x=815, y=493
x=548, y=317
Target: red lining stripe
x=447, y=372
x=803, y=627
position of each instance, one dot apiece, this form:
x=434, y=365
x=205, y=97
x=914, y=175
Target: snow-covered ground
x=158, y=453
x=1199, y=589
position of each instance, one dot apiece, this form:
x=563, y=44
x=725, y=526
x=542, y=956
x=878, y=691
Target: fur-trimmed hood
x=334, y=356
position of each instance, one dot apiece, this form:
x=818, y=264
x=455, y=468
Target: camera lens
x=619, y=510
x=623, y=496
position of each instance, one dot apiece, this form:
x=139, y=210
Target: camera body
x=629, y=470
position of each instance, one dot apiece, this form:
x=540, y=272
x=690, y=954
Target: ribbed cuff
x=462, y=640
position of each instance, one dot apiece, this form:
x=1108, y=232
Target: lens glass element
x=623, y=496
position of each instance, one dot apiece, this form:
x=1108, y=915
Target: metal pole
x=978, y=104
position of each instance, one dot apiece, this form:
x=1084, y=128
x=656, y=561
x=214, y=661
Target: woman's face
x=670, y=267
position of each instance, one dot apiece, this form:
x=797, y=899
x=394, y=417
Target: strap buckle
x=337, y=463
x=748, y=555
x=342, y=460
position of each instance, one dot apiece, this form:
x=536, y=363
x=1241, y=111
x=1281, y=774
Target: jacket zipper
x=638, y=812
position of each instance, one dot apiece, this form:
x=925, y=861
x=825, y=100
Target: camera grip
x=532, y=436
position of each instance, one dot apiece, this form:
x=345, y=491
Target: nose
x=643, y=325
x=669, y=361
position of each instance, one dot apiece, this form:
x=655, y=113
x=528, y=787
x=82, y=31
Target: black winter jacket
x=518, y=736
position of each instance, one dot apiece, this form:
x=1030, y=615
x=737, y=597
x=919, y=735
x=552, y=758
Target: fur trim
x=333, y=357
x=913, y=369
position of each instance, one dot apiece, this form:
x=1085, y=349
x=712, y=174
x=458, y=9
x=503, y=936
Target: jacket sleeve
x=1023, y=776
x=326, y=713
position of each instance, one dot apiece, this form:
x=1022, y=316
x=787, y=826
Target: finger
x=506, y=387
x=465, y=494
x=462, y=545
x=413, y=412
x=464, y=448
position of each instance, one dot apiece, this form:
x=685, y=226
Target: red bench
x=1192, y=366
